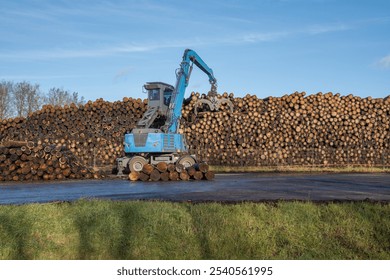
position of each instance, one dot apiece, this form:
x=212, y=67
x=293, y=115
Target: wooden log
x=209, y=175
x=148, y=168
x=13, y=144
x=171, y=167
x=191, y=170
x=165, y=176
x=202, y=166
x=162, y=167
x=155, y=175
x=184, y=175
x=198, y=175
x=173, y=176
x=134, y=176
x=144, y=177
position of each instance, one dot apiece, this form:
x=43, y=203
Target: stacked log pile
x=172, y=172
x=318, y=129
x=21, y=161
x=92, y=132
x=321, y=129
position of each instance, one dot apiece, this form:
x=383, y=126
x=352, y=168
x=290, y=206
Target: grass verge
x=163, y=230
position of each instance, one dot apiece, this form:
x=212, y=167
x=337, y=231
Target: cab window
x=167, y=96
x=154, y=94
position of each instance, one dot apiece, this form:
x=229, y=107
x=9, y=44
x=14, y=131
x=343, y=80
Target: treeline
x=19, y=99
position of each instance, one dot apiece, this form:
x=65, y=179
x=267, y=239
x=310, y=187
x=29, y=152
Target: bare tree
x=76, y=100
x=60, y=97
x=22, y=98
x=27, y=98
x=5, y=99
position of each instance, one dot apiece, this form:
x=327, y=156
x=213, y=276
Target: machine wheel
x=186, y=161
x=136, y=163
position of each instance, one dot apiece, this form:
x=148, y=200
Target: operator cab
x=159, y=95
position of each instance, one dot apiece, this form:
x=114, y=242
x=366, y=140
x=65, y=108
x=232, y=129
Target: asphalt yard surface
x=224, y=188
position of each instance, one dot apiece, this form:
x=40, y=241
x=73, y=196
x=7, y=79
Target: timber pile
x=21, y=161
x=92, y=132
x=172, y=172
x=320, y=129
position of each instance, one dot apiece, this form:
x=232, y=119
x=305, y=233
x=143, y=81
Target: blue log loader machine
x=156, y=137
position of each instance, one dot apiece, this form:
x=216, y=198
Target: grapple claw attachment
x=212, y=103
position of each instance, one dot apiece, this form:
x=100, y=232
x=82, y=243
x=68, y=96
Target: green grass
x=163, y=230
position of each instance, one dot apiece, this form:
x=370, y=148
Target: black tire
x=186, y=161
x=136, y=163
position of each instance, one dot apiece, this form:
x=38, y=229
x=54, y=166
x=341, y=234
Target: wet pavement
x=225, y=188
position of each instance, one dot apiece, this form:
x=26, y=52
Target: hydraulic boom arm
x=183, y=75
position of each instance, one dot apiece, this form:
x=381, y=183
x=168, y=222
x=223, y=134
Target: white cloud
x=76, y=53
x=41, y=77
x=384, y=62
x=119, y=49
x=264, y=37
x=253, y=37
x=319, y=29
x=310, y=30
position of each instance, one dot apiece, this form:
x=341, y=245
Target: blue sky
x=109, y=49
